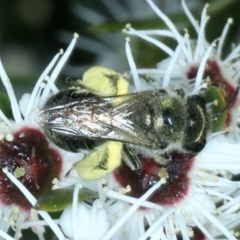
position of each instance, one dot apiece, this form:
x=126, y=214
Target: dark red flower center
x=177, y=183
x=30, y=152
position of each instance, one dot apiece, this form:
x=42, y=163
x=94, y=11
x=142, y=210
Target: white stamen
x=33, y=201
x=132, y=65
x=182, y=225
x=234, y=52
x=189, y=55
x=75, y=211
x=38, y=83
x=131, y=210
x=212, y=219
x=7, y=84
x=190, y=17
x=5, y=235
x=168, y=22
x=156, y=224
x=223, y=37
x=201, y=42
x=59, y=66
x=173, y=60
x=159, y=44
x=132, y=200
x=162, y=33
x=202, y=228
x=201, y=69
x=5, y=119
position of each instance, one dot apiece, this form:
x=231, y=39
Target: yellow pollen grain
x=76, y=35
x=55, y=181
x=177, y=230
x=9, y=137
x=237, y=234
x=218, y=211
x=214, y=178
x=99, y=205
x=19, y=235
x=125, y=190
x=37, y=110
x=19, y=172
x=228, y=129
x=204, y=85
x=215, y=103
x=43, y=85
x=4, y=125
x=46, y=78
x=163, y=174
x=203, y=180
x=223, y=172
x=179, y=211
x=103, y=181
x=190, y=233
x=105, y=189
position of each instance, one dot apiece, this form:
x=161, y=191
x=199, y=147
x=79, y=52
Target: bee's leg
x=163, y=158
x=180, y=93
x=131, y=158
x=100, y=162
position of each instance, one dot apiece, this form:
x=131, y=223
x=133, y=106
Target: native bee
x=99, y=115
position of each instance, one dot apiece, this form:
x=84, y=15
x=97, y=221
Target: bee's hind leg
x=103, y=160
x=131, y=158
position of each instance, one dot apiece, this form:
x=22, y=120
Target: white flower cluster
x=209, y=207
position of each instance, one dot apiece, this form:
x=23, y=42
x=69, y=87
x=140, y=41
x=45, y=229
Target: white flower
x=26, y=152
x=190, y=203
x=207, y=178
x=75, y=226
x=189, y=196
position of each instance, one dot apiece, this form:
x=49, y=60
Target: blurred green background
x=32, y=32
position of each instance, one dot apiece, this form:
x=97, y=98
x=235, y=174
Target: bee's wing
x=97, y=118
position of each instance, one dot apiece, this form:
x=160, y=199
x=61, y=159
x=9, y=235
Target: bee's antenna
x=228, y=104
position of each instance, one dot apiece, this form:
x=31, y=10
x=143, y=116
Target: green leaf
x=216, y=93
x=5, y=105
x=59, y=199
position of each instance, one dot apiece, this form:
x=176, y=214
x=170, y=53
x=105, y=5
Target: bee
x=98, y=115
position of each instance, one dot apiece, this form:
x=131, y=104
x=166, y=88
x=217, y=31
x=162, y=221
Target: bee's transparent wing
x=105, y=118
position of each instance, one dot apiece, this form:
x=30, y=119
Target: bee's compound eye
x=195, y=147
x=168, y=117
